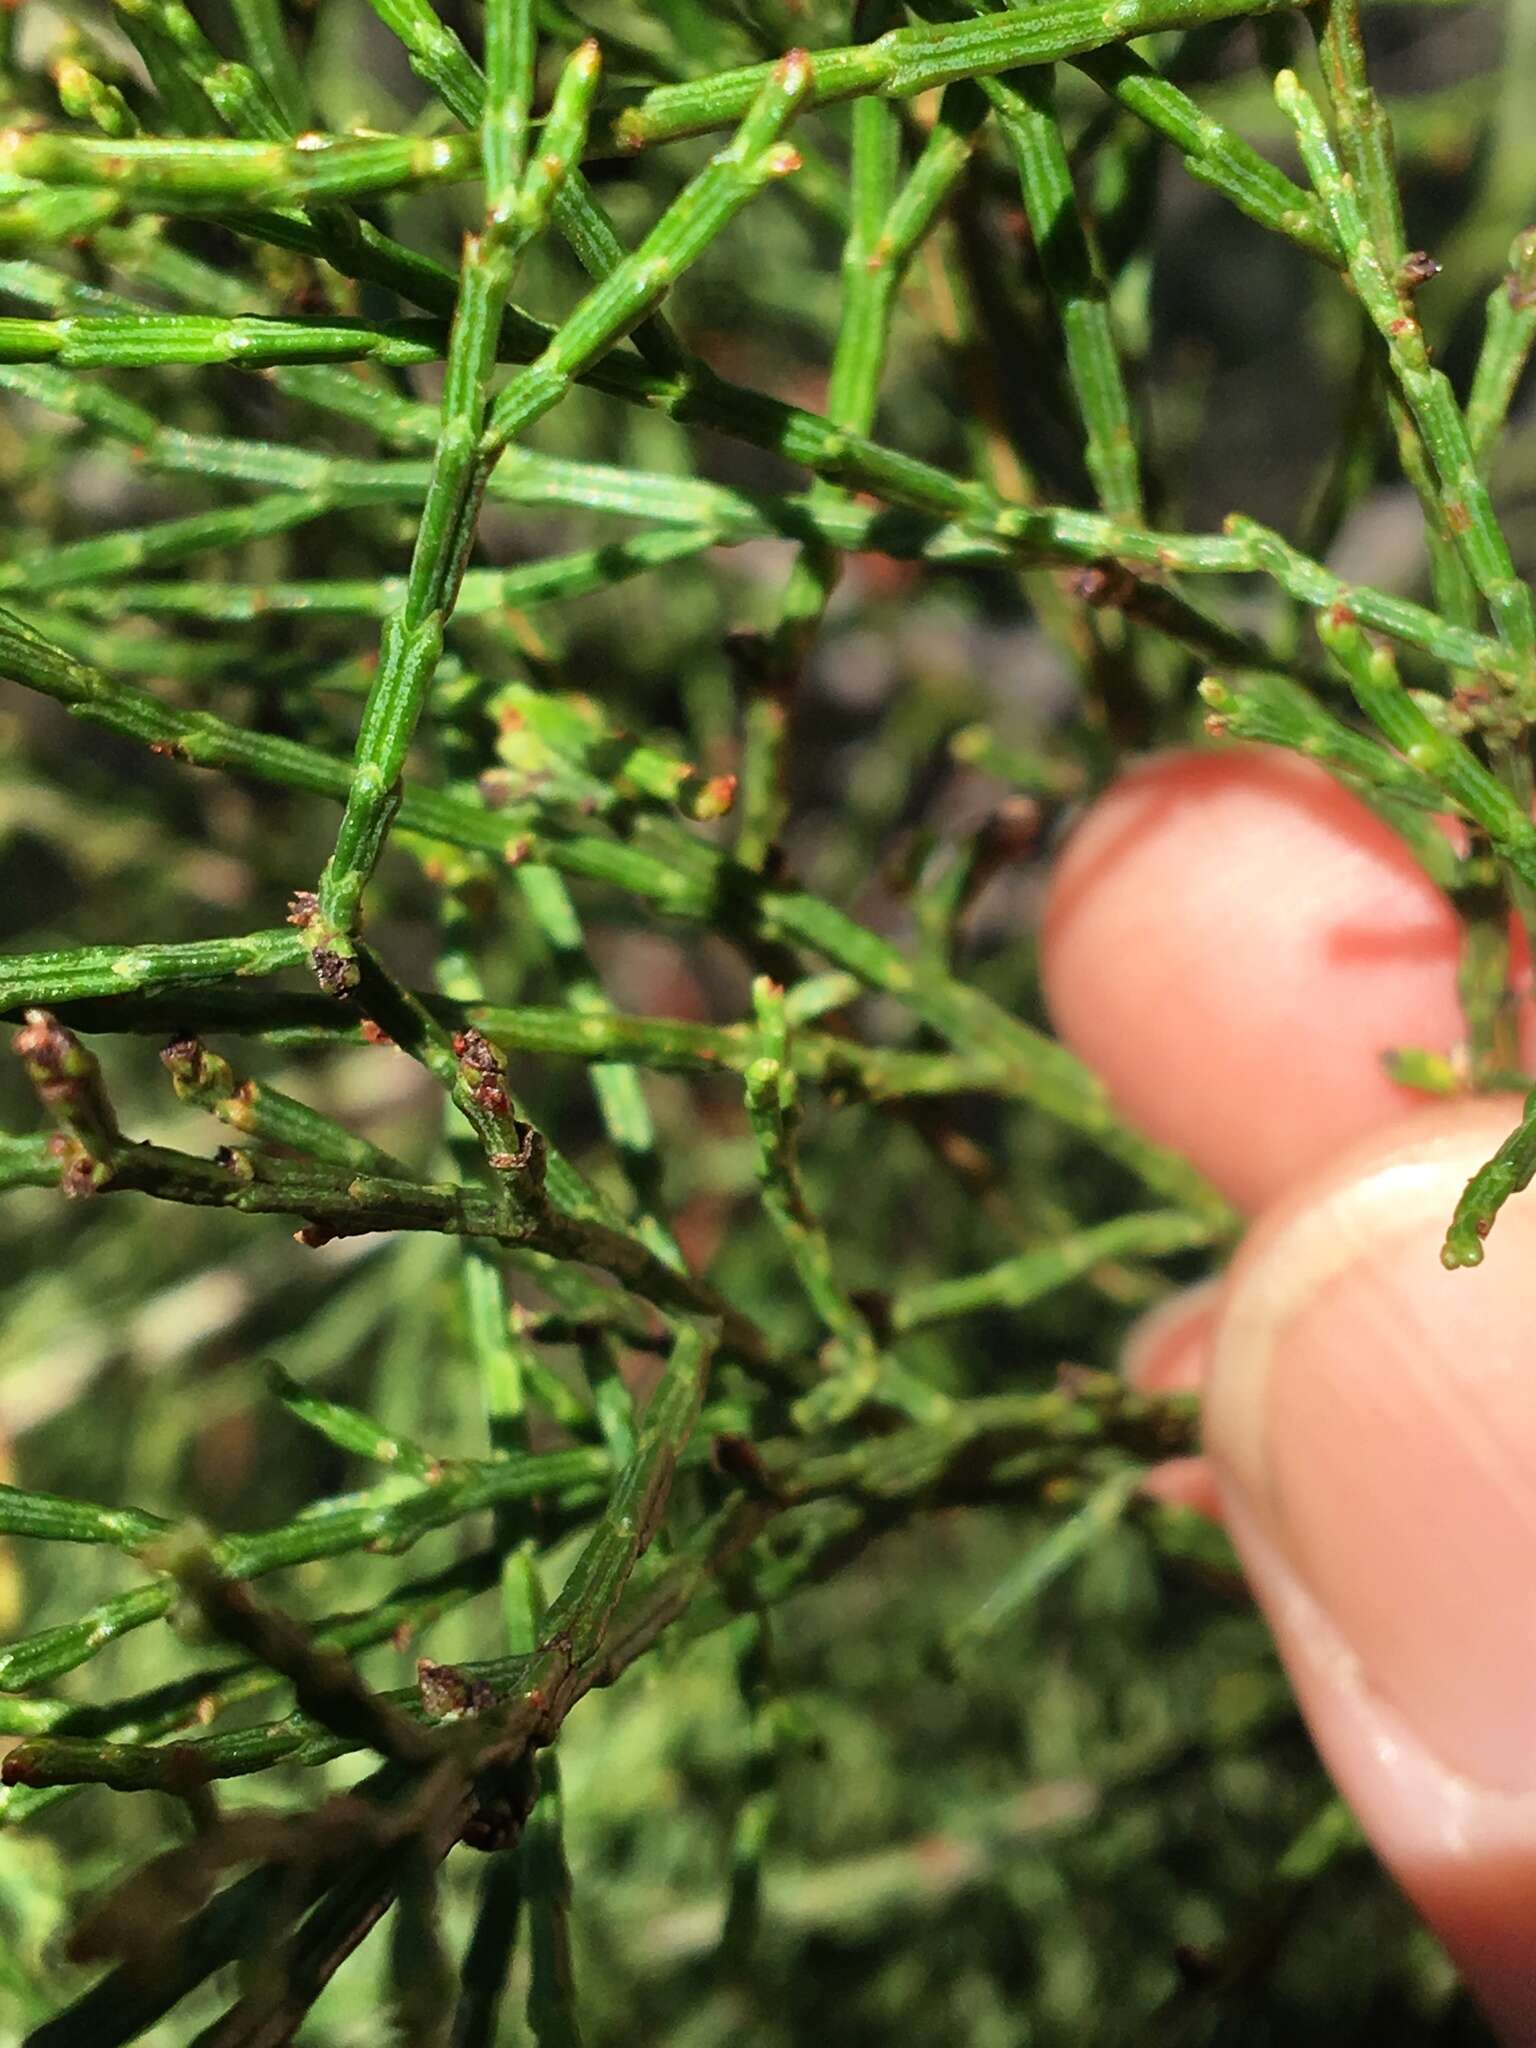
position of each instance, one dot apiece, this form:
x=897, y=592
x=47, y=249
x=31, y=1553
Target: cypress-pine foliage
x=565, y=564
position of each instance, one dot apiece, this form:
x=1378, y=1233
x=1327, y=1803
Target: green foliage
x=701, y=577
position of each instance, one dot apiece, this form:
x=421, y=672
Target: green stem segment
x=1467, y=506
x=519, y=197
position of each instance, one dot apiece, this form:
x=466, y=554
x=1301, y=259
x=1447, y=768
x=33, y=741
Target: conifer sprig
x=461, y=547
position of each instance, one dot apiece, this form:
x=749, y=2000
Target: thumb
x=1372, y=1421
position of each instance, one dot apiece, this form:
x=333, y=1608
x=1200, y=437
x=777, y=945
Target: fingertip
x=1464, y=1854
x=1232, y=941
x=1371, y=1418
x=1185, y=1483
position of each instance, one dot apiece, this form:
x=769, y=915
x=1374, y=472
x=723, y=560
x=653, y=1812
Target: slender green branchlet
x=1509, y=335
x=1509, y=1172
x=906, y=61
x=476, y=430
x=518, y=199
x=1469, y=513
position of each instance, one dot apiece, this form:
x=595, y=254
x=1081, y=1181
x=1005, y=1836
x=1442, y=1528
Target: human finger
x=1232, y=940
x=1372, y=1421
x=1167, y=1352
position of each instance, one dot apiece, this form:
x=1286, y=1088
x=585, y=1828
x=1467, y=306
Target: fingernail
x=1374, y=1416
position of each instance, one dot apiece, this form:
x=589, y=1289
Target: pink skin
x=1166, y=1353
x=1231, y=942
